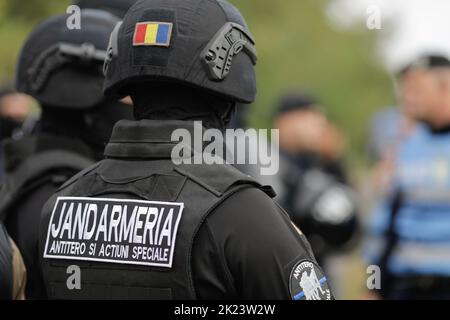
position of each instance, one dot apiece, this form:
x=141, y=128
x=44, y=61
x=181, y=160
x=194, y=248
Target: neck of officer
x=59, y=126
x=175, y=102
x=60, y=121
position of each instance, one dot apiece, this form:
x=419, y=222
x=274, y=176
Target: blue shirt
x=422, y=174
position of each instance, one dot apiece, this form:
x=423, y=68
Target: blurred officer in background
x=316, y=194
x=389, y=128
x=14, y=110
x=116, y=7
x=384, y=131
x=308, y=136
x=311, y=183
x=62, y=70
x=12, y=269
x=410, y=235
x=158, y=229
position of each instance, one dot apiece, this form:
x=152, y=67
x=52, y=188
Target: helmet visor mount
x=58, y=55
x=229, y=41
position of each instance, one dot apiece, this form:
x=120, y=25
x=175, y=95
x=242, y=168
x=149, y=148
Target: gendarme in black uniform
x=141, y=227
x=62, y=70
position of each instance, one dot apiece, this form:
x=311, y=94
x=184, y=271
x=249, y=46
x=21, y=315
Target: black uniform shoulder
x=252, y=216
x=249, y=247
x=219, y=178
x=38, y=169
x=79, y=175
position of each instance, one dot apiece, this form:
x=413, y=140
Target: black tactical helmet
x=117, y=7
x=60, y=67
x=201, y=43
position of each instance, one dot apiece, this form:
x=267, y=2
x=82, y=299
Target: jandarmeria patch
x=114, y=231
x=307, y=282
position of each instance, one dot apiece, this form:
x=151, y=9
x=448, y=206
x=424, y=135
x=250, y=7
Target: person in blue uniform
x=410, y=234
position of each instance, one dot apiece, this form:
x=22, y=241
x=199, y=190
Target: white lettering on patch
x=114, y=230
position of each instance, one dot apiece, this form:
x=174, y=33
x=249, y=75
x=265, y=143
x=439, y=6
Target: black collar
x=145, y=139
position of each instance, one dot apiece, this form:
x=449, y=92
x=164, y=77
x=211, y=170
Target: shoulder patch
x=113, y=231
x=307, y=282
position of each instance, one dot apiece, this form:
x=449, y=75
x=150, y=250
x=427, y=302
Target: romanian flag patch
x=152, y=34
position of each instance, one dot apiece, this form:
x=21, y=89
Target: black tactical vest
x=33, y=172
x=35, y=160
x=141, y=172
x=197, y=187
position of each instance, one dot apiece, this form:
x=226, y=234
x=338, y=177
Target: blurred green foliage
x=297, y=48
x=17, y=19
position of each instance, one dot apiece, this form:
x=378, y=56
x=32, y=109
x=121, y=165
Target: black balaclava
x=92, y=126
x=171, y=101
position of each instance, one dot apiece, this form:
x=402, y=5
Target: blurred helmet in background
x=61, y=67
